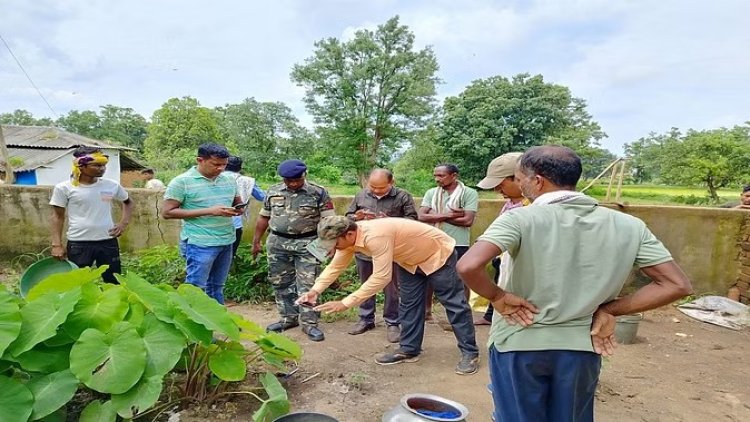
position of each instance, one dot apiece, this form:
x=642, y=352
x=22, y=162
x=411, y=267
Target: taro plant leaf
x=135, y=314
x=63, y=282
x=204, y=310
x=164, y=345
x=96, y=411
x=62, y=338
x=61, y=415
x=195, y=332
x=10, y=319
x=249, y=330
x=139, y=398
x=41, y=317
x=51, y=392
x=228, y=364
x=97, y=309
x=277, y=403
x=275, y=361
x=111, y=362
x=43, y=358
x=16, y=401
x=152, y=297
x=279, y=345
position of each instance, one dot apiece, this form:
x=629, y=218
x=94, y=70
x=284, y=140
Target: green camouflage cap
x=329, y=229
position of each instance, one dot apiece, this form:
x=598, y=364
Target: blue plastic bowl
x=42, y=269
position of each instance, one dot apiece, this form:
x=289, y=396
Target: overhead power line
x=18, y=62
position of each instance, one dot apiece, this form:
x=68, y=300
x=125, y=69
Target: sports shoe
x=468, y=365
x=361, y=327
x=393, y=333
x=396, y=357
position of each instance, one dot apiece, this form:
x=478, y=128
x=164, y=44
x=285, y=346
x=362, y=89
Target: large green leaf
x=41, y=317
x=43, y=358
x=204, y=310
x=195, y=332
x=164, y=345
x=16, y=401
x=97, y=309
x=139, y=398
x=135, y=314
x=111, y=362
x=153, y=298
x=64, y=282
x=96, y=411
x=51, y=392
x=228, y=364
x=279, y=345
x=277, y=403
x=62, y=338
x=10, y=319
x=249, y=330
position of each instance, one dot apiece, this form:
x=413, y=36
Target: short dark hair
x=234, y=164
x=452, y=168
x=84, y=150
x=388, y=173
x=147, y=171
x=745, y=188
x=212, y=150
x=561, y=165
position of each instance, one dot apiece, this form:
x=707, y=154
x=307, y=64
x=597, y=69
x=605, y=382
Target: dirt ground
x=676, y=371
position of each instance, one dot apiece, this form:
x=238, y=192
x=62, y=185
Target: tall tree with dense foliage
x=118, y=125
x=176, y=131
x=23, y=118
x=368, y=94
x=265, y=134
x=497, y=115
x=713, y=158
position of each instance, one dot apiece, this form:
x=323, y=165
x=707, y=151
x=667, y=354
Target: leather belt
x=295, y=236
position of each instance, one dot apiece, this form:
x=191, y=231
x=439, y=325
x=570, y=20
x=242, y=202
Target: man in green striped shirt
x=203, y=197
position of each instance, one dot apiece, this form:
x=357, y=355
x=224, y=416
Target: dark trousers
x=429, y=293
x=539, y=386
x=450, y=292
x=236, y=245
x=86, y=253
x=367, y=308
x=490, y=310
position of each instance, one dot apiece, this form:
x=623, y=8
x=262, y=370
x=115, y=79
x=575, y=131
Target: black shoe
x=313, y=333
x=396, y=357
x=361, y=327
x=282, y=325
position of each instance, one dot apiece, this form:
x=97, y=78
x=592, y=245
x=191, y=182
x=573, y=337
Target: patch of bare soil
x=676, y=371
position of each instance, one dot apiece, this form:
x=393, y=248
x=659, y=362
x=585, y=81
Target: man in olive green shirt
x=570, y=259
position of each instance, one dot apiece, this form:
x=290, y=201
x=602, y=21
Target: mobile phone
x=241, y=206
x=307, y=304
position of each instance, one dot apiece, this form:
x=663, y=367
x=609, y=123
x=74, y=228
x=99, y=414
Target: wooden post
x=611, y=182
x=619, y=183
x=9, y=176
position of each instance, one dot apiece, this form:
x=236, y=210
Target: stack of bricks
x=743, y=278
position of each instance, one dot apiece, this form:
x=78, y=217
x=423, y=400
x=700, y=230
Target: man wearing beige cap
x=424, y=255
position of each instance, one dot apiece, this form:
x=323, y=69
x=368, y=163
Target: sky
x=641, y=66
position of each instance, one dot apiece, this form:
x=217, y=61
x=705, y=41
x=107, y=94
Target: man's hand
x=58, y=252
x=331, y=307
x=222, y=211
x=118, y=229
x=515, y=310
x=309, y=297
x=363, y=214
x=603, y=333
x=256, y=250
x=454, y=214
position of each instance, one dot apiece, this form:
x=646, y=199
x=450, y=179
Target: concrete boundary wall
x=711, y=244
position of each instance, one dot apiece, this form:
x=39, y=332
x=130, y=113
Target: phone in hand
x=241, y=206
x=307, y=304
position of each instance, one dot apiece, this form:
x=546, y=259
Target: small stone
x=675, y=320
x=680, y=334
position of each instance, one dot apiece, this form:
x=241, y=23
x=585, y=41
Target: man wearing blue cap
x=292, y=209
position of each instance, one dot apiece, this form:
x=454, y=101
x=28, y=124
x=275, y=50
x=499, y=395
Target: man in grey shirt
x=378, y=200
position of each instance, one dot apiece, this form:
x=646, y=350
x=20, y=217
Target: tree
x=644, y=155
x=265, y=133
x=86, y=123
x=176, y=131
x=118, y=125
x=23, y=118
x=369, y=94
x=498, y=115
x=413, y=169
x=714, y=158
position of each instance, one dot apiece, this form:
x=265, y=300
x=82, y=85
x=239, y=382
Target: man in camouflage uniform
x=292, y=209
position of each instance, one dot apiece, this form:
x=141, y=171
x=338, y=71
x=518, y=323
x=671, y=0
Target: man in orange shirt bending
x=424, y=254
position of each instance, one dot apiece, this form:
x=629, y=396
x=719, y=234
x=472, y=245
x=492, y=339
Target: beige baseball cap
x=500, y=168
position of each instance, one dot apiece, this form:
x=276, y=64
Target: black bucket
x=305, y=417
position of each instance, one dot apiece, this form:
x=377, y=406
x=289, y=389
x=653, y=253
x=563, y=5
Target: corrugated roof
x=33, y=158
x=50, y=137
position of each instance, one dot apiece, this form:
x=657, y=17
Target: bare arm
x=466, y=220
x=171, y=209
x=426, y=215
x=261, y=225
x=668, y=284
x=127, y=212
x=56, y=227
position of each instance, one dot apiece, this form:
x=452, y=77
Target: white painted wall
x=59, y=170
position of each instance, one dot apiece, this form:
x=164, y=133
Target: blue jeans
x=208, y=267
x=547, y=385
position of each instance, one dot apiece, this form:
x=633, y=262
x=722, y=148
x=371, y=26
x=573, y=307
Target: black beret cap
x=292, y=169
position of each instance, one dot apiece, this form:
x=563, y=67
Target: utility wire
x=54, y=113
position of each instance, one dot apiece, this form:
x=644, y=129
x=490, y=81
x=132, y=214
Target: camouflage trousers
x=292, y=271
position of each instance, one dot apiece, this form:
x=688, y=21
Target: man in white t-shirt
x=151, y=181
x=87, y=198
